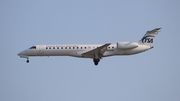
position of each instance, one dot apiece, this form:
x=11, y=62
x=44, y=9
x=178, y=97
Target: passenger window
x=73, y=47
x=69, y=47
x=57, y=47
x=53, y=47
x=61, y=47
x=46, y=48
x=65, y=47
x=77, y=47
x=49, y=47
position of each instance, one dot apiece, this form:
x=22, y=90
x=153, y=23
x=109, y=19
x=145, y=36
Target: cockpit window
x=33, y=47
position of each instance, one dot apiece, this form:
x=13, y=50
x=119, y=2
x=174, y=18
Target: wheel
x=96, y=61
x=27, y=61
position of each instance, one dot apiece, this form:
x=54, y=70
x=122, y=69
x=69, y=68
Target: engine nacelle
x=127, y=45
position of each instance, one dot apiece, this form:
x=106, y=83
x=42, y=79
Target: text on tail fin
x=147, y=39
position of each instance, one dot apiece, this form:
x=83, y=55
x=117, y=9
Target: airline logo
x=147, y=39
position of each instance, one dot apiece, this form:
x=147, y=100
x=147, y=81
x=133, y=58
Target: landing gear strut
x=96, y=61
x=27, y=60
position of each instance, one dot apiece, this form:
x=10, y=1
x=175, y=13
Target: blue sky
x=150, y=76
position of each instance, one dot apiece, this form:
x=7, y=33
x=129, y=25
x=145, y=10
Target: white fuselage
x=77, y=50
x=94, y=51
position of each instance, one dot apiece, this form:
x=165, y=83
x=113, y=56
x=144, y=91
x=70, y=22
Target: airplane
x=93, y=51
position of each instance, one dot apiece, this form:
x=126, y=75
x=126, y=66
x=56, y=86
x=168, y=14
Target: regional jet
x=93, y=51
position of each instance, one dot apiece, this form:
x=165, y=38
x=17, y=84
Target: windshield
x=33, y=47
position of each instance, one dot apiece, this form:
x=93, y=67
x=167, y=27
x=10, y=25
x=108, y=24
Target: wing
x=98, y=52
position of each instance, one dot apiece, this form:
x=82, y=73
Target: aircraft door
x=41, y=51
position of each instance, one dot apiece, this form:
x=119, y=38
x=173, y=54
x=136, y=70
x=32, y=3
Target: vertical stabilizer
x=148, y=38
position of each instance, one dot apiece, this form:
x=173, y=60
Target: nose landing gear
x=27, y=60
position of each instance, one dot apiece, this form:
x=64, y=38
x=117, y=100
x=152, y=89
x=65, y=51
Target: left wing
x=98, y=52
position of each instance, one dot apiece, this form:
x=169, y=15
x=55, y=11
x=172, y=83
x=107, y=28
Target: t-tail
x=148, y=38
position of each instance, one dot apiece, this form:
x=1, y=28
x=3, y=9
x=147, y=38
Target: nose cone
x=23, y=54
x=19, y=54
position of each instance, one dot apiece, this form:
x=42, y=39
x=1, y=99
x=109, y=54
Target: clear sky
x=150, y=76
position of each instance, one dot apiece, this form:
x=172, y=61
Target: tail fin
x=148, y=38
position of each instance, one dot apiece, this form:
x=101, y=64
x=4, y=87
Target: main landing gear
x=96, y=61
x=27, y=60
